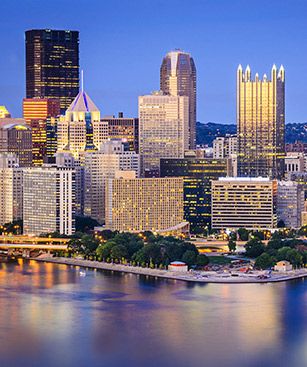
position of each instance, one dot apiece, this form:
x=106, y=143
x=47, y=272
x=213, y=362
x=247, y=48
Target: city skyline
x=119, y=65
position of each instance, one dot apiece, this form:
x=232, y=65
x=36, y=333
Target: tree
x=281, y=224
x=243, y=234
x=118, y=252
x=202, y=260
x=264, y=261
x=254, y=248
x=104, y=250
x=232, y=245
x=85, y=224
x=189, y=257
x=291, y=255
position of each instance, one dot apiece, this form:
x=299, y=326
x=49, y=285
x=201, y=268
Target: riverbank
x=191, y=276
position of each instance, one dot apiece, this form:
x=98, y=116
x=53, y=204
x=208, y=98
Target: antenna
x=82, y=85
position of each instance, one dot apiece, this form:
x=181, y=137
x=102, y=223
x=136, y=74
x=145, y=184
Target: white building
x=243, y=202
x=294, y=162
x=163, y=129
x=101, y=165
x=225, y=146
x=178, y=267
x=290, y=203
x=283, y=266
x=48, y=200
x=80, y=129
x=10, y=188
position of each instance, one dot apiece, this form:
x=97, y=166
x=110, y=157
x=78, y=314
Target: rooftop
x=82, y=103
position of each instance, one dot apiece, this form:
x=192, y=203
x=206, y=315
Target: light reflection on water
x=50, y=316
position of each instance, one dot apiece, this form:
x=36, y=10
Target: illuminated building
x=35, y=112
x=144, y=204
x=81, y=130
x=51, y=137
x=124, y=128
x=10, y=188
x=244, y=202
x=197, y=174
x=52, y=65
x=290, y=203
x=163, y=130
x=178, y=78
x=261, y=123
x=48, y=200
x=224, y=146
x=16, y=137
x=101, y=165
x=4, y=112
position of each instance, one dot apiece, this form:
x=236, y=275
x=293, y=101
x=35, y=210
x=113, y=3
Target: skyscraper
x=163, y=130
x=261, y=123
x=178, y=78
x=52, y=65
x=35, y=112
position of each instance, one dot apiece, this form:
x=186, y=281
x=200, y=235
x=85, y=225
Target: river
x=51, y=316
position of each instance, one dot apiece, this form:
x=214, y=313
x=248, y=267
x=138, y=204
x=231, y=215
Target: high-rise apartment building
x=16, y=137
x=81, y=130
x=290, y=203
x=244, y=202
x=144, y=204
x=197, y=175
x=101, y=165
x=163, y=129
x=178, y=78
x=48, y=200
x=36, y=111
x=124, y=128
x=52, y=65
x=224, y=146
x=261, y=123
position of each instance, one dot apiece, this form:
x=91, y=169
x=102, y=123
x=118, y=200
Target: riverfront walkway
x=191, y=276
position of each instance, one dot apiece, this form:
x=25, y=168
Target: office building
x=16, y=137
x=290, y=203
x=244, y=202
x=144, y=204
x=81, y=130
x=36, y=111
x=48, y=200
x=163, y=130
x=224, y=146
x=125, y=129
x=10, y=188
x=52, y=65
x=101, y=165
x=261, y=123
x=294, y=162
x=178, y=78
x=197, y=175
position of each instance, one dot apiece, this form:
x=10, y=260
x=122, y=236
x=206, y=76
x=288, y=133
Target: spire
x=281, y=73
x=247, y=73
x=82, y=81
x=82, y=103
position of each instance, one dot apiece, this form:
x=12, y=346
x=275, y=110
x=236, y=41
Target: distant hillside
x=206, y=133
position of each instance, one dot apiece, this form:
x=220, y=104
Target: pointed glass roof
x=82, y=103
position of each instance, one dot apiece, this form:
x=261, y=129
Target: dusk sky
x=122, y=43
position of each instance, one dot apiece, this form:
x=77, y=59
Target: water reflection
x=50, y=316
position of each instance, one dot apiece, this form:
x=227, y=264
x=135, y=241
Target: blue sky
x=122, y=43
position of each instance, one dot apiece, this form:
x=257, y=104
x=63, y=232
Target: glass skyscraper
x=261, y=123
x=52, y=65
x=178, y=78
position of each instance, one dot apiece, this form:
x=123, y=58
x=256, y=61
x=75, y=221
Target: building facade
x=36, y=111
x=178, y=78
x=144, y=204
x=48, y=200
x=244, y=202
x=52, y=65
x=16, y=137
x=125, y=129
x=197, y=175
x=101, y=165
x=261, y=124
x=224, y=146
x=290, y=203
x=294, y=162
x=163, y=129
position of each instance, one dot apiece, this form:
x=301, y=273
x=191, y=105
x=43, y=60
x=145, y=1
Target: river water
x=51, y=316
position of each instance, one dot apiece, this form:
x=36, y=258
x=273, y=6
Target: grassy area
x=219, y=260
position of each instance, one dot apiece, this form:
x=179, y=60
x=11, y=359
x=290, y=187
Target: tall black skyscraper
x=52, y=65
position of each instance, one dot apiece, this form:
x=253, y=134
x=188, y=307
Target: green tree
x=243, y=234
x=291, y=255
x=264, y=261
x=232, y=246
x=104, y=250
x=254, y=248
x=189, y=257
x=119, y=252
x=202, y=260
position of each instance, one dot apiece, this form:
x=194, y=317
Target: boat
x=82, y=273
